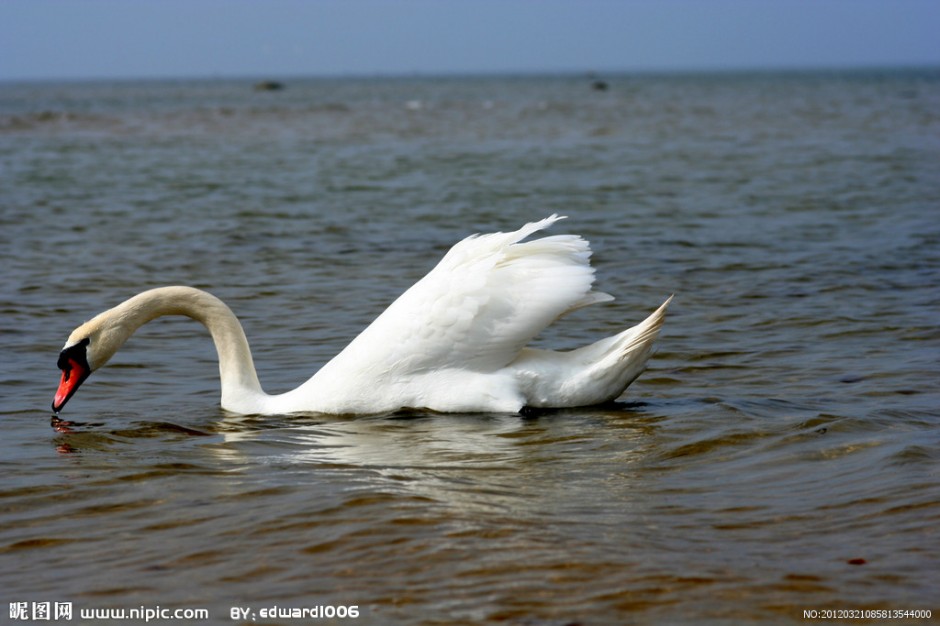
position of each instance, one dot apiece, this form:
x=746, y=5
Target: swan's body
x=455, y=341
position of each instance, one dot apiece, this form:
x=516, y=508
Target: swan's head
x=73, y=361
x=88, y=348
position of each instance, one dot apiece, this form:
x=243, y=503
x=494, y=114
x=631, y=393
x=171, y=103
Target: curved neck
x=241, y=391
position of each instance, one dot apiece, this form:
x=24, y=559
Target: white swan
x=453, y=342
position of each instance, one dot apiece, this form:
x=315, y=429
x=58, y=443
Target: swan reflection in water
x=488, y=471
x=398, y=442
x=477, y=461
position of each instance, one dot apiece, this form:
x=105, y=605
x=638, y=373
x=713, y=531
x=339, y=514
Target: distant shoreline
x=286, y=79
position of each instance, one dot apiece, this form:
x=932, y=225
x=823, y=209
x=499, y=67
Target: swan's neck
x=241, y=391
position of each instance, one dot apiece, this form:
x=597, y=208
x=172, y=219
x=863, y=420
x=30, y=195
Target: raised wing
x=485, y=300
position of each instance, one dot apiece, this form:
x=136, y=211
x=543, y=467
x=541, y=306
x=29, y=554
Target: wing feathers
x=456, y=339
x=527, y=286
x=487, y=298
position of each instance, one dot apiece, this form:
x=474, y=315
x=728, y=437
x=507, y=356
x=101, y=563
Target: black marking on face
x=77, y=352
x=73, y=361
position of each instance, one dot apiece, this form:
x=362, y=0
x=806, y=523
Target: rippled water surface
x=780, y=454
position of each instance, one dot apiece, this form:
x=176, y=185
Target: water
x=779, y=455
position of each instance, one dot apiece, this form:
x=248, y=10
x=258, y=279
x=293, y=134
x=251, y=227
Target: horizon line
x=508, y=73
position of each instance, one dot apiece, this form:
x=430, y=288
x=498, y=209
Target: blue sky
x=42, y=39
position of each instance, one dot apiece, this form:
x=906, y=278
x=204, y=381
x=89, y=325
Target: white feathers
x=451, y=341
x=454, y=341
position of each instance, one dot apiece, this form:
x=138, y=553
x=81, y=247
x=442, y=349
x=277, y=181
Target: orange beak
x=74, y=374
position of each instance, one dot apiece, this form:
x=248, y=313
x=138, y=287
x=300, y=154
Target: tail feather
x=635, y=354
x=594, y=374
x=643, y=334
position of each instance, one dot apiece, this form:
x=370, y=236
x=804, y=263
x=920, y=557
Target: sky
x=76, y=39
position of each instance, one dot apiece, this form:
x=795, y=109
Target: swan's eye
x=72, y=352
